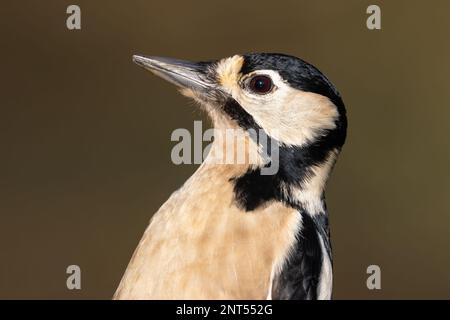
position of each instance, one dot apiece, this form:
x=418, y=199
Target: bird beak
x=184, y=74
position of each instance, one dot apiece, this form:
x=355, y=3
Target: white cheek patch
x=291, y=116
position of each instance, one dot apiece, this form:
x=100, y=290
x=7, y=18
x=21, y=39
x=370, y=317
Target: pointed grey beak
x=184, y=74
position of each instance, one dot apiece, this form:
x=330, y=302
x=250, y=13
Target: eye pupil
x=261, y=84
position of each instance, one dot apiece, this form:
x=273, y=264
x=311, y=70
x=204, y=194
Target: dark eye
x=261, y=84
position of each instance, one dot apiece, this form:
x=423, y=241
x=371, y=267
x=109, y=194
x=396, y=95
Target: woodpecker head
x=295, y=105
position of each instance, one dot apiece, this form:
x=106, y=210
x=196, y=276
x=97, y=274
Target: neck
x=309, y=194
x=301, y=171
x=299, y=183
x=296, y=184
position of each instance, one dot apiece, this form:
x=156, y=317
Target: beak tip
x=137, y=59
x=179, y=72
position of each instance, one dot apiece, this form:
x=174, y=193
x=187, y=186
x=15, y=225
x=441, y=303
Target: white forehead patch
x=228, y=72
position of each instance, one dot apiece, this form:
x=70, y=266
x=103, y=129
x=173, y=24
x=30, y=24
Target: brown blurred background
x=85, y=134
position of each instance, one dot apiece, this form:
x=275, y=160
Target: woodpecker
x=232, y=232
